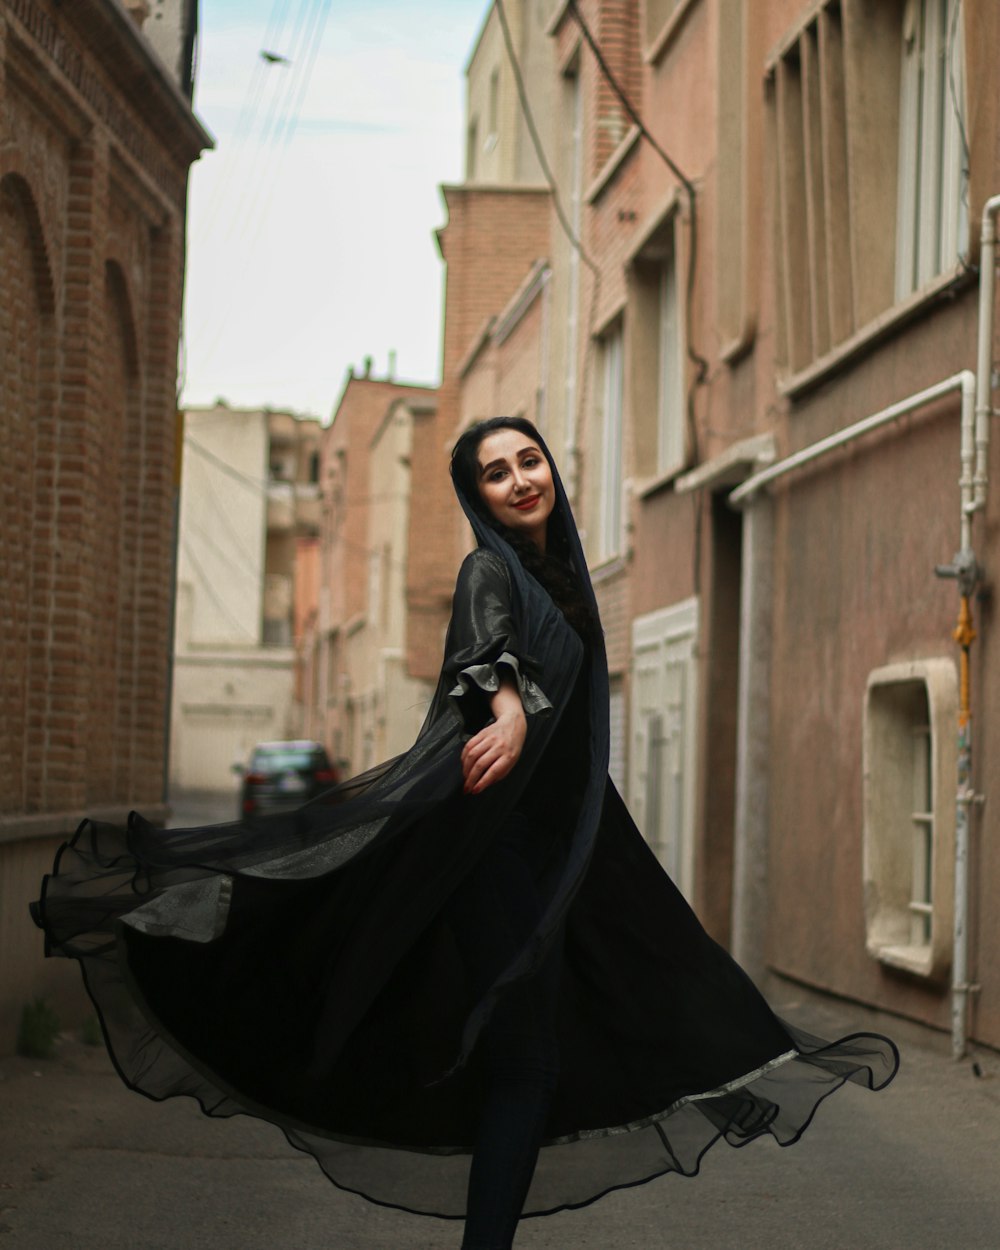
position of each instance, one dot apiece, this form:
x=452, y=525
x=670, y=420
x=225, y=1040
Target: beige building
x=249, y=496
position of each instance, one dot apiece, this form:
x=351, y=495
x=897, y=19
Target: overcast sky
x=310, y=229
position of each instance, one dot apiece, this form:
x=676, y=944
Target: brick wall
x=344, y=538
x=493, y=237
x=95, y=145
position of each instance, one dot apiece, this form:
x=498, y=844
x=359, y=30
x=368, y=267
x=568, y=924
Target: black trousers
x=493, y=913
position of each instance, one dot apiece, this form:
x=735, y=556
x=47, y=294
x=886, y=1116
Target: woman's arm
x=489, y=755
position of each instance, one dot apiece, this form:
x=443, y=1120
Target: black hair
x=552, y=567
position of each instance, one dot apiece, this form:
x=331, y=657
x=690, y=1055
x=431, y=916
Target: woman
x=467, y=952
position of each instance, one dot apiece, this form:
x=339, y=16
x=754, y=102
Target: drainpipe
x=753, y=741
x=984, y=346
x=974, y=482
x=750, y=850
x=965, y=570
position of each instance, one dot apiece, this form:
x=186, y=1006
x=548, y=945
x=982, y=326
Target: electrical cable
x=206, y=582
x=693, y=355
x=567, y=227
x=626, y=103
x=290, y=118
x=244, y=565
x=248, y=110
x=274, y=137
x=536, y=141
x=258, y=484
x=216, y=499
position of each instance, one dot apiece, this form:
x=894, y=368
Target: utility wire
x=274, y=137
x=290, y=119
x=216, y=499
x=259, y=78
x=245, y=566
x=210, y=590
x=626, y=103
x=536, y=141
x=564, y=222
x=693, y=355
x=257, y=484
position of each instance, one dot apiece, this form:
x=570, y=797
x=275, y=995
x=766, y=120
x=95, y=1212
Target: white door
x=663, y=726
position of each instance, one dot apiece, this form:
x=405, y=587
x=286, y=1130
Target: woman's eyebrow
x=530, y=449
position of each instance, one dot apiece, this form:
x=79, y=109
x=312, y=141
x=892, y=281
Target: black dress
x=309, y=970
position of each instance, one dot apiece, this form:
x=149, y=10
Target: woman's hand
x=490, y=754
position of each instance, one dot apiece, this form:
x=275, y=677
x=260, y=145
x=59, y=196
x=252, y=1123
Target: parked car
x=283, y=775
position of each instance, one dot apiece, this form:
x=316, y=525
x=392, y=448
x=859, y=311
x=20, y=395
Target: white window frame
x=616, y=717
x=670, y=422
x=910, y=779
x=575, y=89
x=932, y=223
x=611, y=497
x=663, y=738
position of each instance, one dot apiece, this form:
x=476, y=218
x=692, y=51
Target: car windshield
x=285, y=759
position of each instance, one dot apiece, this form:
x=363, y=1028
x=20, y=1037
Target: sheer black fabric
x=313, y=969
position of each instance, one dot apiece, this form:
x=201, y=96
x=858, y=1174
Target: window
x=657, y=356
x=864, y=107
x=662, y=747
x=471, y=149
x=932, y=224
x=573, y=105
x=610, y=467
x=910, y=776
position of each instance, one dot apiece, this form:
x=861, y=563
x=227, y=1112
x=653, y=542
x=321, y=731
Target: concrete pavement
x=87, y=1165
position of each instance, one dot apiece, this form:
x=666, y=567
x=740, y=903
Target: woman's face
x=515, y=483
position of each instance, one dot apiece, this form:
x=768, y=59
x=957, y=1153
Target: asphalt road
x=87, y=1165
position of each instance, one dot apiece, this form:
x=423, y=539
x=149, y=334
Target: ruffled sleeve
x=483, y=641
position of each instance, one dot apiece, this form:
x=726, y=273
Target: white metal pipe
x=960, y=952
x=973, y=481
x=973, y=499
x=967, y=455
x=984, y=345
x=963, y=380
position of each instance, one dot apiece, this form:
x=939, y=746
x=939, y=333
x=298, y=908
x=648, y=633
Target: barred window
x=910, y=775
x=864, y=112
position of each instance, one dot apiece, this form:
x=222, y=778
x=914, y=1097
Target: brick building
x=763, y=358
x=785, y=686
x=96, y=138
x=783, y=658
x=361, y=555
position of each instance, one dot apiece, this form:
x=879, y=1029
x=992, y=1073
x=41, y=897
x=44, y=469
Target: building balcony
x=293, y=507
